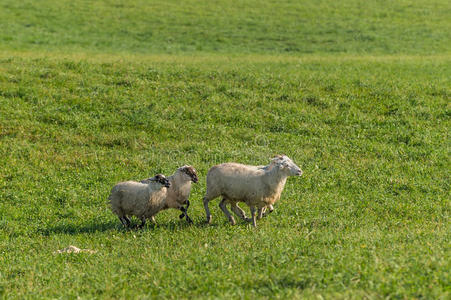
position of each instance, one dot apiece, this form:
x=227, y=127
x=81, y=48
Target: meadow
x=356, y=93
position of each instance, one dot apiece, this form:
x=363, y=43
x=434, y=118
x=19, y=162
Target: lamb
x=179, y=190
x=143, y=200
x=257, y=186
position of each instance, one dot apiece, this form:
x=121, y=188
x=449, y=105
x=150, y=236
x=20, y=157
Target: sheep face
x=160, y=178
x=284, y=163
x=191, y=172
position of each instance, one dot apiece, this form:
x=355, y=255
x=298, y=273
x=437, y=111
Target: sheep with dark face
x=258, y=186
x=143, y=200
x=178, y=193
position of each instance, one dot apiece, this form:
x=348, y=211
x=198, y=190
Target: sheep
x=178, y=193
x=143, y=200
x=258, y=186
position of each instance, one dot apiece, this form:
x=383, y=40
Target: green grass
x=90, y=104
x=370, y=217
x=252, y=26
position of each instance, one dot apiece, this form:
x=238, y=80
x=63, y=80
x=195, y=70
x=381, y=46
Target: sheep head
x=160, y=178
x=191, y=172
x=285, y=164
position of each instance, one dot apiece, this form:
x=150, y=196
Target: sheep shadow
x=79, y=229
x=176, y=224
x=116, y=226
x=270, y=286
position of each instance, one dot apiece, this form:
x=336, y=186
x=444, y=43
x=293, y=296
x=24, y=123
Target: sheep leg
x=238, y=211
x=270, y=210
x=223, y=207
x=185, y=214
x=186, y=208
x=254, y=219
x=124, y=221
x=152, y=219
x=260, y=212
x=188, y=219
x=207, y=211
x=143, y=222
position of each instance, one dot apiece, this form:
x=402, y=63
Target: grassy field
x=227, y=26
x=86, y=102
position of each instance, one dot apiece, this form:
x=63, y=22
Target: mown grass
x=370, y=217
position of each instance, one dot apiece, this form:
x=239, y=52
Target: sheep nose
x=299, y=173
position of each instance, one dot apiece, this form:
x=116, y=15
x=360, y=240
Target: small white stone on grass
x=73, y=249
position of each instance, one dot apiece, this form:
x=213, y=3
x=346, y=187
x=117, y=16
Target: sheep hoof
x=181, y=216
x=208, y=220
x=267, y=213
x=232, y=221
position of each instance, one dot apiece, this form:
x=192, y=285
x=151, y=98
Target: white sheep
x=143, y=200
x=179, y=190
x=258, y=186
